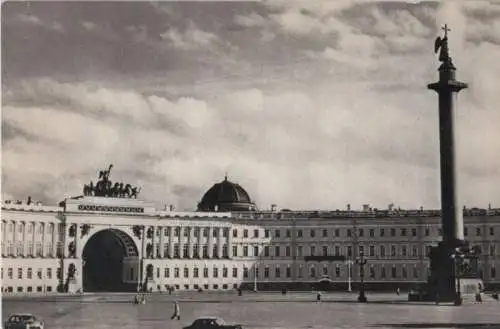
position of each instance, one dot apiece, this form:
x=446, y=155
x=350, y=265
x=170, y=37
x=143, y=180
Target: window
x=235, y=251
x=186, y=272
x=414, y=251
x=225, y=233
x=300, y=272
x=277, y=251
x=299, y=233
x=215, y=233
x=492, y=250
x=196, y=232
x=187, y=231
x=255, y=233
x=205, y=251
x=206, y=232
x=404, y=272
x=382, y=251
x=235, y=233
x=414, y=232
x=313, y=250
x=372, y=272
x=185, y=251
x=393, y=272
x=277, y=272
x=349, y=251
x=492, y=231
x=177, y=231
x=176, y=251
x=245, y=272
x=196, y=272
x=288, y=233
x=39, y=273
x=427, y=231
x=372, y=232
x=478, y=231
x=245, y=251
x=176, y=272
x=19, y=273
x=215, y=272
x=49, y=273
x=266, y=233
x=266, y=251
x=225, y=251
x=337, y=250
x=382, y=232
x=325, y=233
x=372, y=251
x=361, y=250
x=287, y=251
x=440, y=232
x=393, y=251
x=349, y=233
x=215, y=251
x=277, y=233
x=167, y=272
x=325, y=251
x=205, y=272
x=299, y=251
x=29, y=273
x=361, y=232
x=466, y=231
x=312, y=272
x=235, y=272
x=403, y=232
x=224, y=272
x=493, y=272
x=415, y=272
x=393, y=232
x=403, y=251
x=337, y=270
x=382, y=272
x=266, y=272
x=325, y=270
x=256, y=250
x=312, y=233
x=245, y=233
x=337, y=232
x=288, y=272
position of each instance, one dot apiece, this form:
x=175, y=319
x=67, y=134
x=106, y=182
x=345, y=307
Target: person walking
x=177, y=312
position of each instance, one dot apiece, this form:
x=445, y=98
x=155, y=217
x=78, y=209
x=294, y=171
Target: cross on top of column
x=445, y=28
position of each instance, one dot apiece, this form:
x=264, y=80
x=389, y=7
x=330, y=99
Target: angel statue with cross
x=442, y=44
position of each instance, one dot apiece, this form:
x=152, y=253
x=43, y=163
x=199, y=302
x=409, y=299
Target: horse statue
x=135, y=193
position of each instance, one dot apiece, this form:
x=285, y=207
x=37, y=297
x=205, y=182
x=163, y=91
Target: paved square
x=271, y=311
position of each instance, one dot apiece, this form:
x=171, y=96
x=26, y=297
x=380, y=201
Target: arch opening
x=106, y=257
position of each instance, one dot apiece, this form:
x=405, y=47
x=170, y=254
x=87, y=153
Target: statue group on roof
x=105, y=188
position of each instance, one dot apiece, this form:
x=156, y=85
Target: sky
x=306, y=104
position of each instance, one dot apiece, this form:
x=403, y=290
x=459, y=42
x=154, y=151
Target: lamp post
x=255, y=277
x=349, y=263
x=457, y=257
x=361, y=261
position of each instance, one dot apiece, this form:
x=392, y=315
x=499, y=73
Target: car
x=23, y=321
x=212, y=322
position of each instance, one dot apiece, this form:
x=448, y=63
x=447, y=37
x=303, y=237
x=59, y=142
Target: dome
x=226, y=196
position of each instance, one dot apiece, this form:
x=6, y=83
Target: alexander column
x=445, y=269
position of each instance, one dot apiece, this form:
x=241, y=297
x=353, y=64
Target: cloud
x=189, y=39
x=32, y=20
x=334, y=109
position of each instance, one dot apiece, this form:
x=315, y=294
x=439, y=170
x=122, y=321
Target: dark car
x=23, y=321
x=212, y=323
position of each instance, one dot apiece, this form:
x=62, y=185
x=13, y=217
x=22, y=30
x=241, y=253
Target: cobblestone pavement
x=261, y=310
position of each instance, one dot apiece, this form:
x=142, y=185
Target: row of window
x=31, y=227
x=372, y=272
x=313, y=233
x=28, y=289
x=286, y=251
x=29, y=273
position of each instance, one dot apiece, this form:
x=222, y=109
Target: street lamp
x=361, y=261
x=456, y=256
x=349, y=263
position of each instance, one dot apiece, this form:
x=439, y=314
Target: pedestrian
x=177, y=312
x=318, y=297
x=398, y=291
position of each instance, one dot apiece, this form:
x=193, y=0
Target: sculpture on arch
x=105, y=187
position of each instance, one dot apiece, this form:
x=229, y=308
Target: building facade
x=49, y=249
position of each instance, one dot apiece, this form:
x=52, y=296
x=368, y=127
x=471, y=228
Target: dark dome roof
x=226, y=196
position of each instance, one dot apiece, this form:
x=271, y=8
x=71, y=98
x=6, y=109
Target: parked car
x=23, y=321
x=212, y=323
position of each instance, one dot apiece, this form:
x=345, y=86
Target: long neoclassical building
x=105, y=240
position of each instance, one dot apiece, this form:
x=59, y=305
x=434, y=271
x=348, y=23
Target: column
x=33, y=239
x=162, y=242
x=44, y=231
x=200, y=242
x=66, y=240
x=220, y=236
x=153, y=243
x=210, y=242
x=170, y=242
x=14, y=235
x=25, y=239
x=54, y=239
x=77, y=245
x=143, y=254
x=4, y=237
x=190, y=242
x=230, y=243
x=181, y=243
